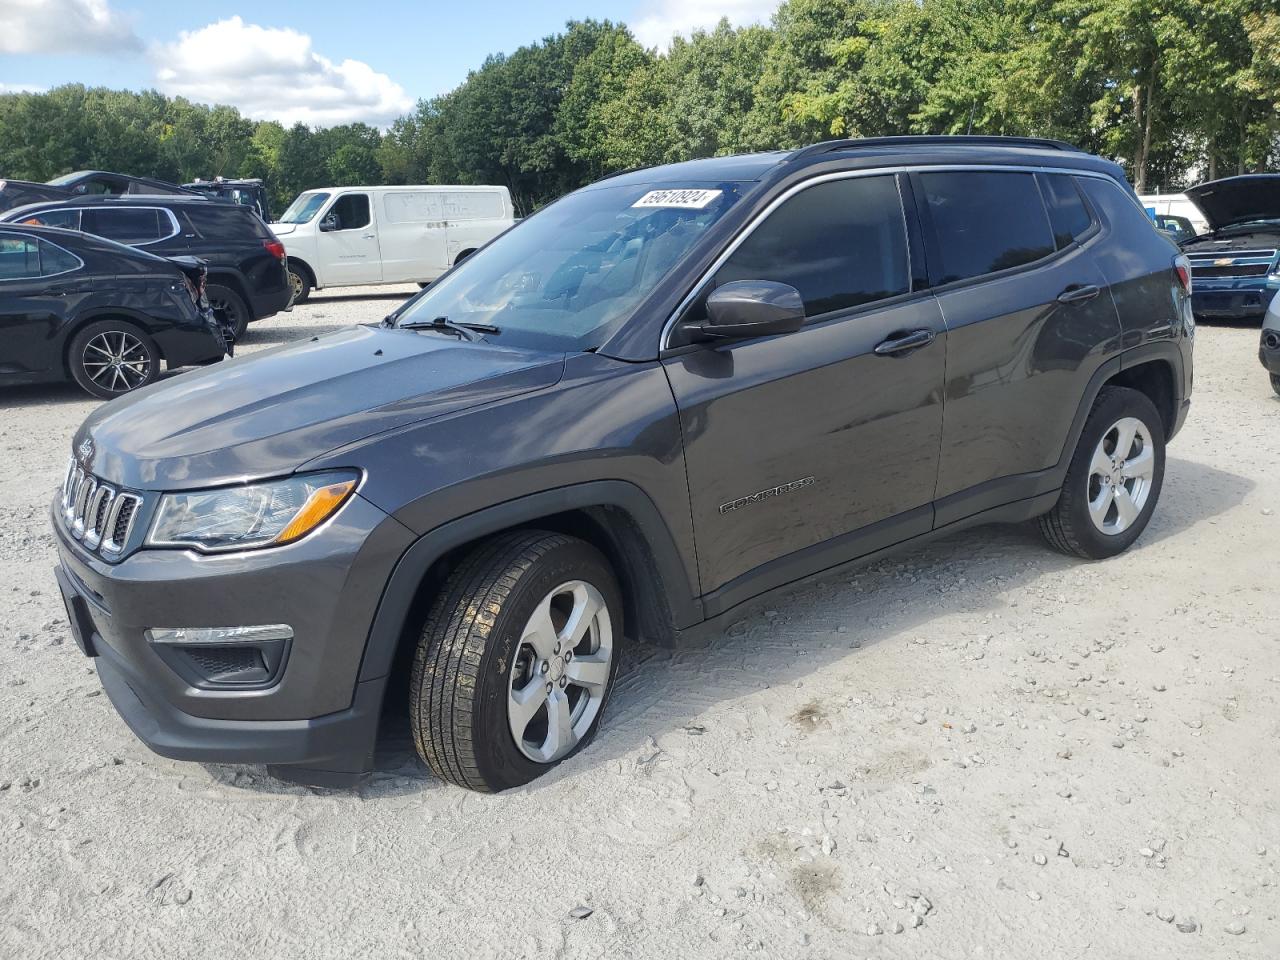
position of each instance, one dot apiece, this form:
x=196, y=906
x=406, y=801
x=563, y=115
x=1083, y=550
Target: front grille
x=1241, y=264
x=96, y=513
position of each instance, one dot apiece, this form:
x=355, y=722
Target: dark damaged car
x=653, y=401
x=1236, y=265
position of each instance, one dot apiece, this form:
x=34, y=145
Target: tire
x=479, y=652
x=230, y=309
x=1275, y=383
x=1088, y=521
x=301, y=283
x=92, y=355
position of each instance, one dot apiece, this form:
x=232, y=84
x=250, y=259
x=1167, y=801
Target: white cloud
x=659, y=20
x=274, y=74
x=65, y=26
x=21, y=88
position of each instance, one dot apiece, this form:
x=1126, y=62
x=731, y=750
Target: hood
x=268, y=413
x=1238, y=199
x=283, y=229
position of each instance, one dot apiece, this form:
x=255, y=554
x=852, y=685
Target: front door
x=348, y=243
x=810, y=448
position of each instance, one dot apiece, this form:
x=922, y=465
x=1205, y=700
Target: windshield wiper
x=466, y=331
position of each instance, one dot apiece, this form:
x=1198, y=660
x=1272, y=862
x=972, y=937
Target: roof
x=872, y=152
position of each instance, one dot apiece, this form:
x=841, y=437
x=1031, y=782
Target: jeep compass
x=660, y=397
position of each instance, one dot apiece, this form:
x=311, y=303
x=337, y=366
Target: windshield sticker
x=683, y=199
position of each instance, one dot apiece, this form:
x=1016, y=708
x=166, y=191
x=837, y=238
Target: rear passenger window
x=841, y=244
x=1067, y=213
x=985, y=221
x=19, y=259
x=125, y=225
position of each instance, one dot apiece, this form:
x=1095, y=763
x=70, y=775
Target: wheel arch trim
x=406, y=578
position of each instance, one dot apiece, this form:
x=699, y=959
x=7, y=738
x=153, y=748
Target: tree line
x=1170, y=88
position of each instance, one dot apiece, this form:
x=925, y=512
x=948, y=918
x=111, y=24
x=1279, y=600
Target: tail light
x=275, y=248
x=1182, y=267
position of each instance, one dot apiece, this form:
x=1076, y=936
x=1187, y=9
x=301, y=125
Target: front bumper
x=313, y=716
x=1269, y=351
x=1231, y=300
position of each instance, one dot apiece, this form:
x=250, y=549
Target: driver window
x=841, y=244
x=349, y=212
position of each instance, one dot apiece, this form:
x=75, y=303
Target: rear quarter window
x=985, y=222
x=225, y=222
x=1068, y=215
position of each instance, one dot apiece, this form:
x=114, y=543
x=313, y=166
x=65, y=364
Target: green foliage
x=1171, y=88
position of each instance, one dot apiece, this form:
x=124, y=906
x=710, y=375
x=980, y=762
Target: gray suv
x=660, y=397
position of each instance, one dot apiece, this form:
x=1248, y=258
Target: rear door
x=134, y=226
x=1029, y=319
x=413, y=235
x=347, y=242
x=806, y=449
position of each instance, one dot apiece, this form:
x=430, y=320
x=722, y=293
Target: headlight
x=257, y=515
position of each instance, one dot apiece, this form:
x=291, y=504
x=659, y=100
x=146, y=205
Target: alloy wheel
x=1120, y=476
x=561, y=671
x=116, y=361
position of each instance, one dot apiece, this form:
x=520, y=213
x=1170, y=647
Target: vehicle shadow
x=788, y=637
x=44, y=394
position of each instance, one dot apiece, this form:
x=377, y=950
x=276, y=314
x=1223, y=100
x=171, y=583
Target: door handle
x=904, y=342
x=368, y=236
x=1079, y=293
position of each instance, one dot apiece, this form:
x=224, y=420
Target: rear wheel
x=1114, y=479
x=229, y=308
x=516, y=660
x=299, y=282
x=112, y=357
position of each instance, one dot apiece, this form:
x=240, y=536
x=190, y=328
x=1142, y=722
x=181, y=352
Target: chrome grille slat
x=97, y=514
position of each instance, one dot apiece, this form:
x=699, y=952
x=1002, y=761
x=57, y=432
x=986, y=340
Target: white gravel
x=915, y=760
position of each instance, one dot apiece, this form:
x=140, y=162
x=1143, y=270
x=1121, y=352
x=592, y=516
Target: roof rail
x=831, y=146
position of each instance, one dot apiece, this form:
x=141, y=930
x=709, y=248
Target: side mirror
x=329, y=223
x=751, y=308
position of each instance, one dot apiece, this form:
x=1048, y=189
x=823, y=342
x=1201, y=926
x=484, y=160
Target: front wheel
x=1114, y=479
x=299, y=283
x=516, y=660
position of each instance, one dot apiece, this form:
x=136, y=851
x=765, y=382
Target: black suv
x=14, y=193
x=247, y=276
x=658, y=398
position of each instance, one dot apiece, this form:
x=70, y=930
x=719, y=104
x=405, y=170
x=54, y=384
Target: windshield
x=565, y=277
x=304, y=208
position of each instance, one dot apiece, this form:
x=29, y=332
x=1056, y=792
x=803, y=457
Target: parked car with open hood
x=247, y=193
x=654, y=400
x=1236, y=265
x=78, y=307
x=247, y=277
x=347, y=236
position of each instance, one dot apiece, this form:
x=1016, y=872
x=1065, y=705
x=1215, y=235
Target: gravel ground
x=977, y=748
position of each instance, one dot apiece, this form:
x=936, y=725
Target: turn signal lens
x=319, y=506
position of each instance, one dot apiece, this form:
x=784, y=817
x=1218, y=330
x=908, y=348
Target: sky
x=316, y=61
